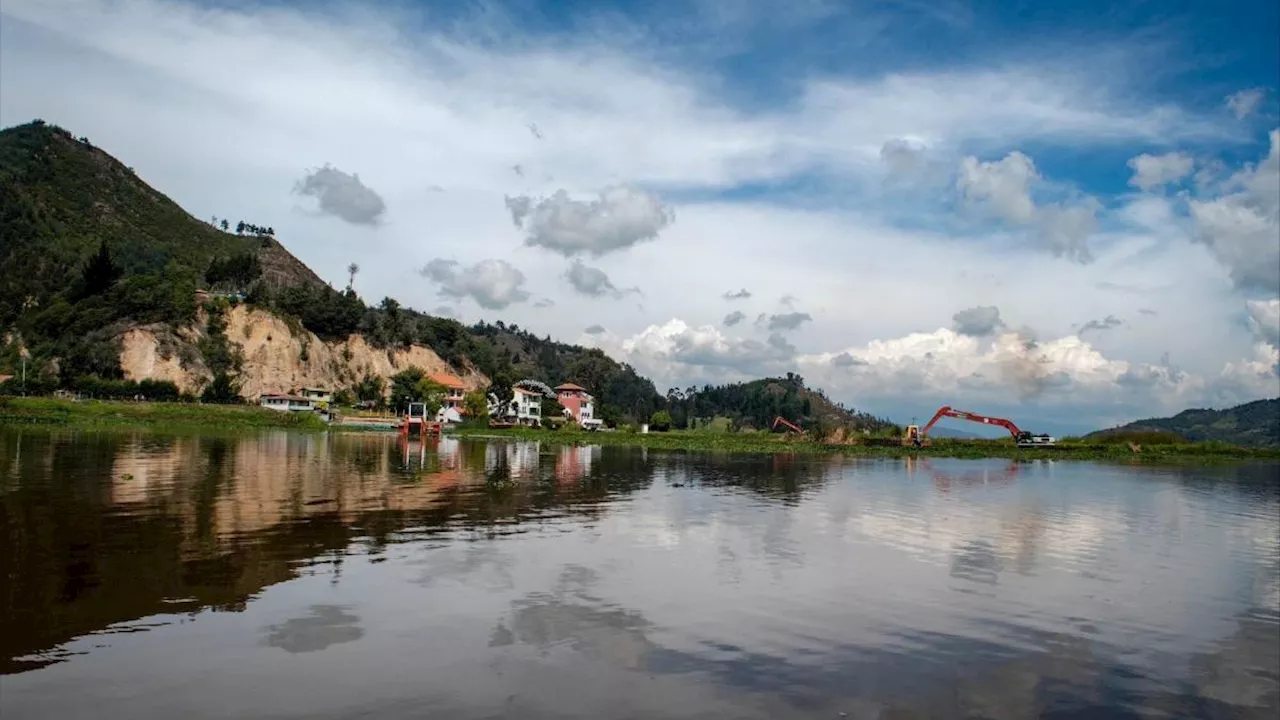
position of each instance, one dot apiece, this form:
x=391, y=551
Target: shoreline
x=41, y=412
x=1193, y=453
x=94, y=414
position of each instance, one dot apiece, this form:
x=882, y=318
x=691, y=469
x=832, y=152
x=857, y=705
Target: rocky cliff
x=276, y=357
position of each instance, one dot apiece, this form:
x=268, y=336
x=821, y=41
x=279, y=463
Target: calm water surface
x=284, y=576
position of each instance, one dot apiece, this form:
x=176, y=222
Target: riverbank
x=1194, y=453
x=155, y=415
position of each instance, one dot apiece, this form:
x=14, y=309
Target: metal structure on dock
x=415, y=422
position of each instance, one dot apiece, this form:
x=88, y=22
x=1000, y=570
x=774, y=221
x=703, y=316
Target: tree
x=271, y=232
x=476, y=405
x=223, y=390
x=352, y=269
x=431, y=394
x=100, y=273
x=371, y=388
x=240, y=228
x=660, y=421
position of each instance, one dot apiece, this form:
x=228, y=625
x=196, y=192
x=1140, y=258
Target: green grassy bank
x=108, y=413
x=1207, y=452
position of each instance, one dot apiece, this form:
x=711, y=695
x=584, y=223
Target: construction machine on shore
x=919, y=436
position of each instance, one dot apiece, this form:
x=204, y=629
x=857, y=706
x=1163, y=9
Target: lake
x=282, y=575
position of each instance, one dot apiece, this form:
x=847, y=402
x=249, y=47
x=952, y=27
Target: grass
x=107, y=413
x=1196, y=453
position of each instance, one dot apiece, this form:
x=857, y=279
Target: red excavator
x=920, y=436
x=787, y=425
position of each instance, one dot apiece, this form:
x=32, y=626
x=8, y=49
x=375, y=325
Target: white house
x=452, y=405
x=317, y=395
x=287, y=403
x=525, y=407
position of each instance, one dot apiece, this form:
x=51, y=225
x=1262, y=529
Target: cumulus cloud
x=734, y=318
x=618, y=218
x=342, y=195
x=787, y=321
x=545, y=303
x=742, y=294
x=977, y=321
x=595, y=330
x=492, y=284
x=1264, y=319
x=676, y=349
x=593, y=282
x=1003, y=187
x=902, y=157
x=1155, y=171
x=844, y=360
x=1106, y=323
x=1241, y=227
x=1065, y=371
x=788, y=300
x=1245, y=102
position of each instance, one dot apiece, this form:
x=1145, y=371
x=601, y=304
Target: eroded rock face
x=276, y=359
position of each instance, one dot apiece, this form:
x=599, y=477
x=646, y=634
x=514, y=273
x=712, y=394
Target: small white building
x=317, y=395
x=287, y=403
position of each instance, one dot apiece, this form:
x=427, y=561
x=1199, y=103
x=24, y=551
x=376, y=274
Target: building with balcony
x=580, y=405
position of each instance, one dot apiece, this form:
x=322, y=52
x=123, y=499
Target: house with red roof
x=451, y=407
x=580, y=404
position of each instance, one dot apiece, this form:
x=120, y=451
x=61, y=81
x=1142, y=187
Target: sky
x=1064, y=213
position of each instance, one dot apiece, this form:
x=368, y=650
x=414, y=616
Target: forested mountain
x=1255, y=423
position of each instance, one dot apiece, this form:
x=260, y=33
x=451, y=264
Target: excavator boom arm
x=947, y=411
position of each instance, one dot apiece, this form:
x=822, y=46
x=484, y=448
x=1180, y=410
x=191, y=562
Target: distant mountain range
x=1255, y=423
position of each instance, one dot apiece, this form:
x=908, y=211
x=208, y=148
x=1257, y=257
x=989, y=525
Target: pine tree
x=101, y=272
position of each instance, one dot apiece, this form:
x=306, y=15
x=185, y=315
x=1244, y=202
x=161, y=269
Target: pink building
x=579, y=403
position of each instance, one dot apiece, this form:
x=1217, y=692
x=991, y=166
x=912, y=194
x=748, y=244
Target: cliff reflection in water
x=102, y=529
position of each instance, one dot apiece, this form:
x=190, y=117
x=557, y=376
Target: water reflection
x=472, y=579
x=325, y=625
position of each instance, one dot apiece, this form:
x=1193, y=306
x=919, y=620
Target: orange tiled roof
x=448, y=381
x=570, y=386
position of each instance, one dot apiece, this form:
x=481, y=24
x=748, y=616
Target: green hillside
x=1255, y=424
x=757, y=403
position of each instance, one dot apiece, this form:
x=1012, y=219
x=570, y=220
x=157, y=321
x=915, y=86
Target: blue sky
x=1064, y=211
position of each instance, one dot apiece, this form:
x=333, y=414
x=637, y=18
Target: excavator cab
x=912, y=436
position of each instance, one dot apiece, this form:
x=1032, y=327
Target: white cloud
x=1264, y=319
x=1245, y=102
x=734, y=318
x=593, y=282
x=1154, y=171
x=1004, y=188
x=1004, y=185
x=1242, y=226
x=742, y=294
x=493, y=284
x=617, y=219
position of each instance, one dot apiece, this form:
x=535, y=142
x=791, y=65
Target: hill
x=1256, y=424
x=101, y=279
x=757, y=403
x=104, y=275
